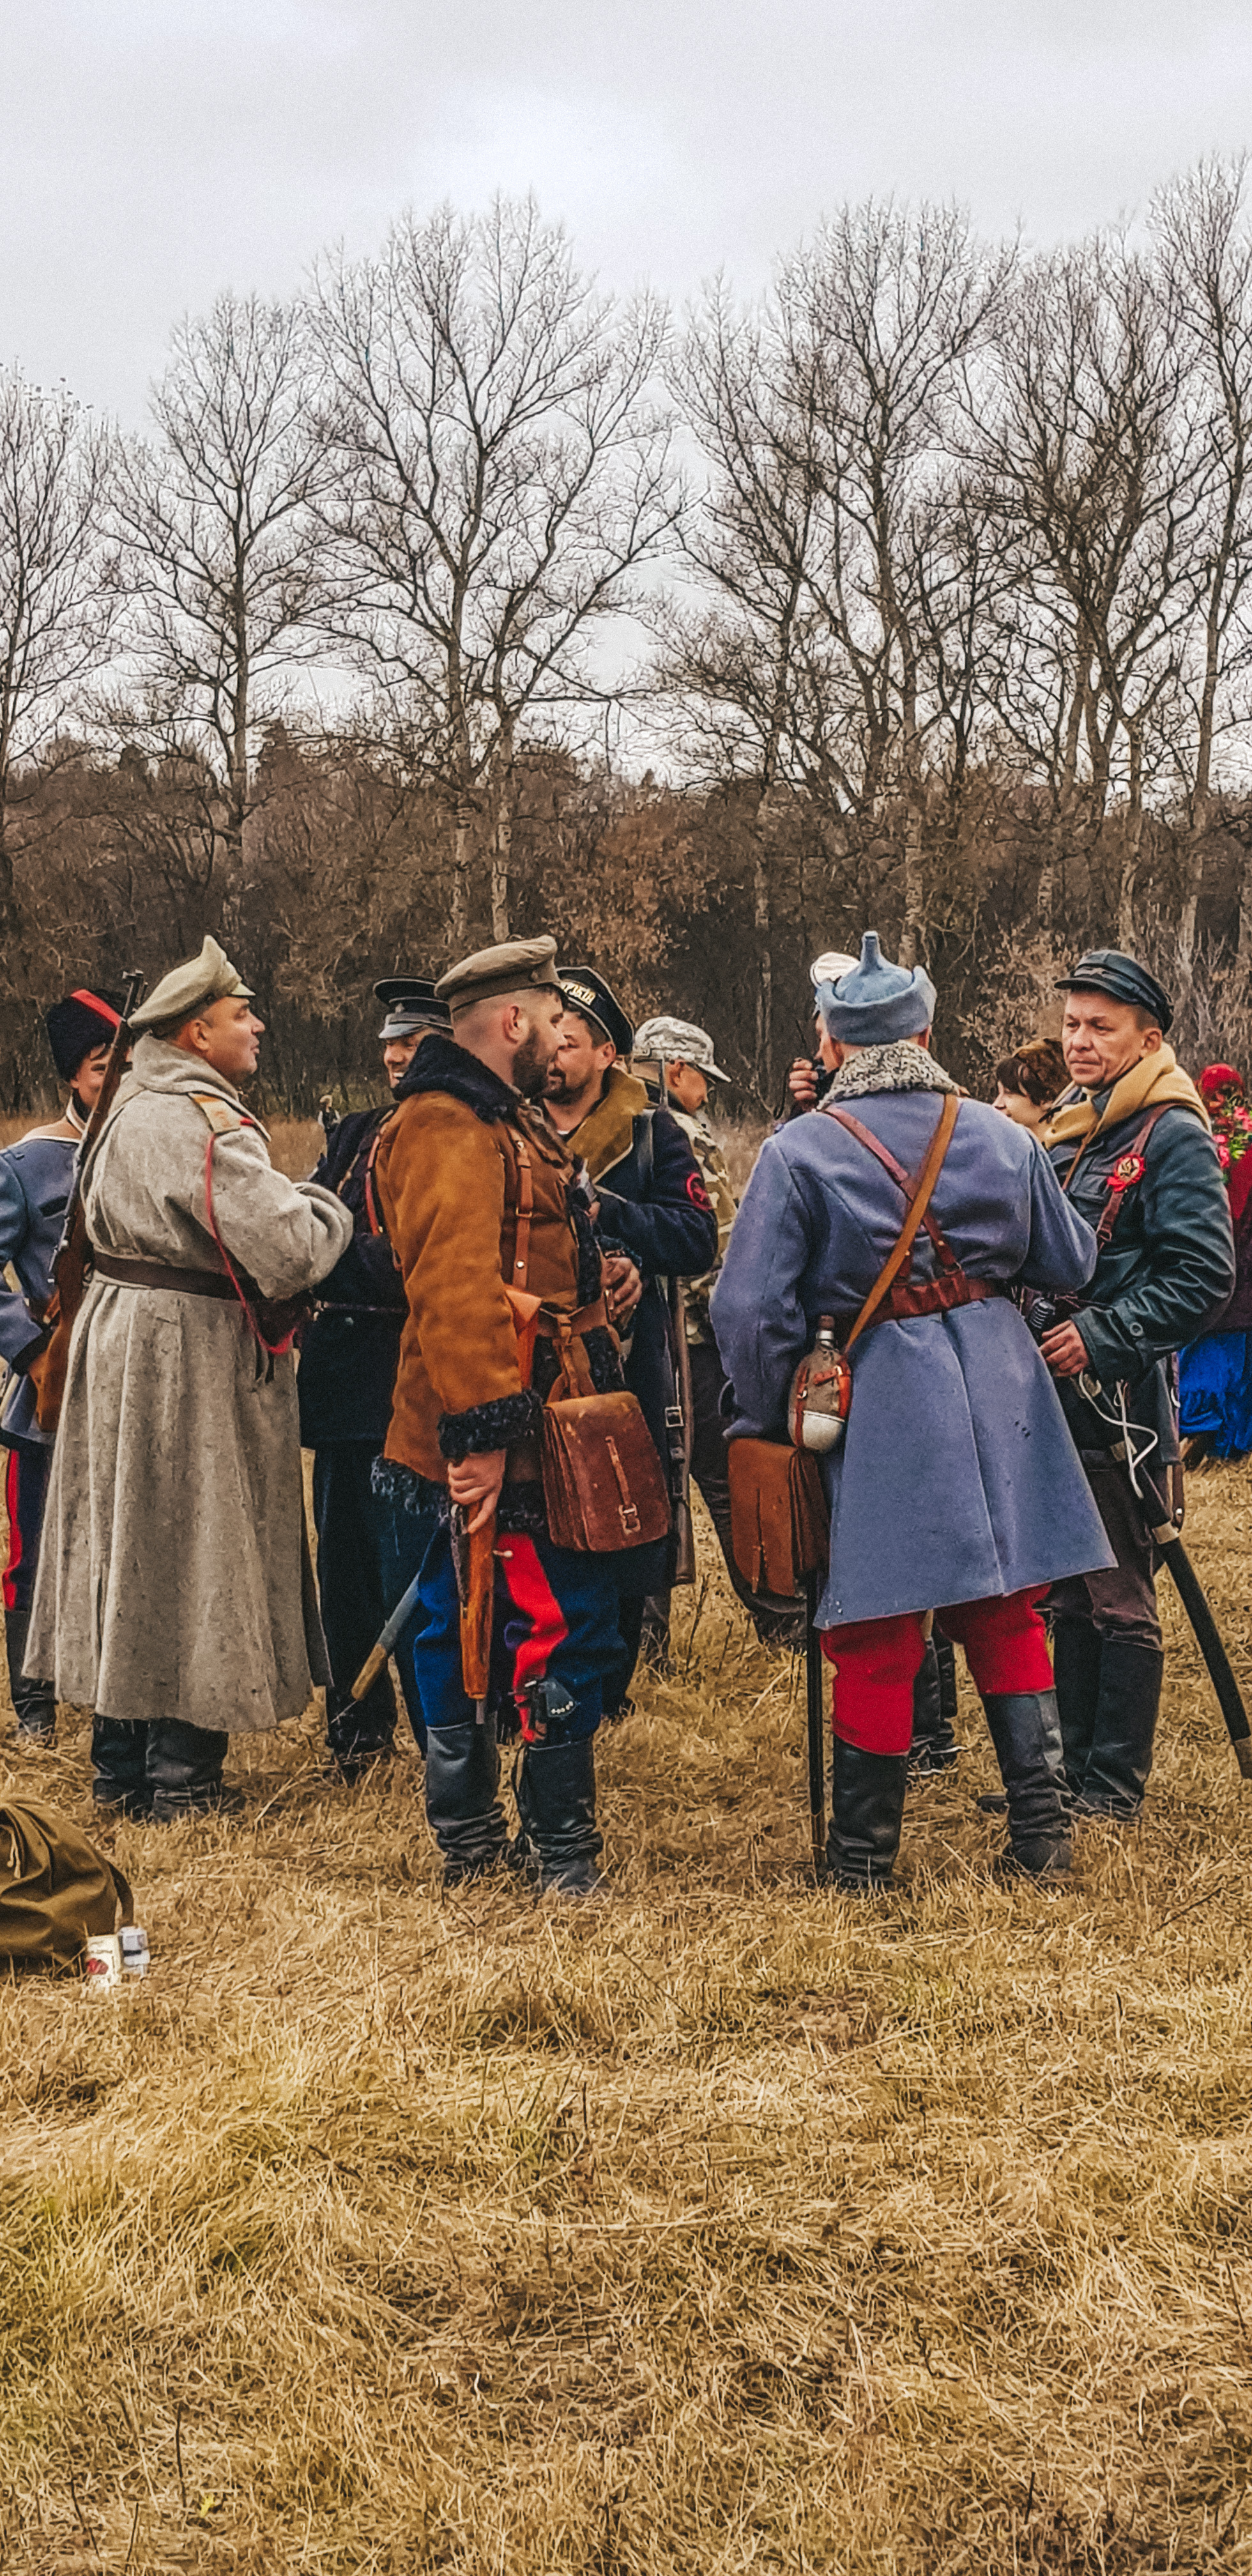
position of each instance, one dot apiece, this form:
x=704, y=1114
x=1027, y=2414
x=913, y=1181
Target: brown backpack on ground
x=56, y=1889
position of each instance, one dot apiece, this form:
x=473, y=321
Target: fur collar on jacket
x=901, y=1066
x=441, y=1065
x=605, y=1136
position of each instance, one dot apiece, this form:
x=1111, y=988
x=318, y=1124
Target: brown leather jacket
x=447, y=1178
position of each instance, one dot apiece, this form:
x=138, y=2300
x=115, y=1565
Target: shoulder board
x=222, y=1117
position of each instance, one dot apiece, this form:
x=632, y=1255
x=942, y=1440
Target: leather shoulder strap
x=525, y=1208
x=1119, y=1190
x=919, y=1200
x=907, y=1181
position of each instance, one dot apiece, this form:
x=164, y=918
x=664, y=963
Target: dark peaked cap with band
x=516, y=966
x=79, y=1024
x=1109, y=970
x=589, y=995
x=410, y=1004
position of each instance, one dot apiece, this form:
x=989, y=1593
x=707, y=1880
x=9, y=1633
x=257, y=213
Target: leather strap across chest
x=1129, y=1166
x=892, y=1298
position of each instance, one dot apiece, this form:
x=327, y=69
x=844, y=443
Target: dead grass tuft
x=724, y=2226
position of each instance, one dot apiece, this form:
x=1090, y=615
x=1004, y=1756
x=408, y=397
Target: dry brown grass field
x=723, y=2225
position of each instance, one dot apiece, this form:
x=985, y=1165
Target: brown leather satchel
x=779, y=1524
x=603, y=1484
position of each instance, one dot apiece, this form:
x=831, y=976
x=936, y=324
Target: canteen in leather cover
x=821, y=1393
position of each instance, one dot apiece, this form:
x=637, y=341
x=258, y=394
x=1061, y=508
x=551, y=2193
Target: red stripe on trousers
x=15, y=1530
x=530, y=1592
x=877, y=1660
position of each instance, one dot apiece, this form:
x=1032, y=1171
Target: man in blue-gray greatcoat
x=957, y=1483
x=35, y=1179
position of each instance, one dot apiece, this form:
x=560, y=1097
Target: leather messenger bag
x=603, y=1484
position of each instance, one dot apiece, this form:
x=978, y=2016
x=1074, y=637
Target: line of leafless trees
x=924, y=585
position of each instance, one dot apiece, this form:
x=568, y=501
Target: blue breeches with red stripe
x=25, y=1493
x=555, y=1620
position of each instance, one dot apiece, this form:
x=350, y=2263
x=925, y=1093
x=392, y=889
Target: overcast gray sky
x=157, y=150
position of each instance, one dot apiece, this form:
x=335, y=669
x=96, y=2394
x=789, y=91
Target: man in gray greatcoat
x=172, y=1593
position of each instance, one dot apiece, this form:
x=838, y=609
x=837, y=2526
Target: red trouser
x=876, y=1663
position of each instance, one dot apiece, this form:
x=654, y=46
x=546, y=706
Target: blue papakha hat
x=877, y=1003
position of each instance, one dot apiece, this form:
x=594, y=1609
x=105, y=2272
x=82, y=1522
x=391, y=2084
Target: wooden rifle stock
x=476, y=1614
x=69, y=1269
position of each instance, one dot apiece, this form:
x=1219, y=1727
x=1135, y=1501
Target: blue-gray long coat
x=956, y=1479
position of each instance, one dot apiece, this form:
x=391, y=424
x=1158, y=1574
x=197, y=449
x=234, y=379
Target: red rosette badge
x=1127, y=1170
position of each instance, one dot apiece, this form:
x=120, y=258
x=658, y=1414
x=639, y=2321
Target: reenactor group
x=527, y=1315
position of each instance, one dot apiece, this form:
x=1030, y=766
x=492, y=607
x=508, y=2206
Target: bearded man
x=172, y=1594
x=479, y=1198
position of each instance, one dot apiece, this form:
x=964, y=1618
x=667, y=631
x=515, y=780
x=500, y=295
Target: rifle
x=73, y=1253
x=475, y=1563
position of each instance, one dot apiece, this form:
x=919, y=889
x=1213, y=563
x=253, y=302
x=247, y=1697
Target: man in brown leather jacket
x=459, y=1161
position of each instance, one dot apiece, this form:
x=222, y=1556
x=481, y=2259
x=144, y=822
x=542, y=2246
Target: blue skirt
x=1215, y=1392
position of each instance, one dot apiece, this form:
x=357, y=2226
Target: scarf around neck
x=899, y=1066
x=1156, y=1082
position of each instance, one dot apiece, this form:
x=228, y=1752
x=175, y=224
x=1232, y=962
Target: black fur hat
x=79, y=1024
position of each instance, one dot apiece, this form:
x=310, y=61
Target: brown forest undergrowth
x=725, y=2225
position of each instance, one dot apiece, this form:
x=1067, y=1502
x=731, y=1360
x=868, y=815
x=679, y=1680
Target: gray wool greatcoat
x=171, y=1574
x=957, y=1479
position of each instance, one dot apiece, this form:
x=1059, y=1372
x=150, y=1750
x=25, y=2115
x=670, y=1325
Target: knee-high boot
x=462, y=1806
x=1076, y=1657
x=1026, y=1733
x=1124, y=1731
x=185, y=1771
x=556, y=1803
x=867, y=1812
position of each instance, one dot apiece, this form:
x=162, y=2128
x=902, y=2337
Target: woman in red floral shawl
x=1215, y=1373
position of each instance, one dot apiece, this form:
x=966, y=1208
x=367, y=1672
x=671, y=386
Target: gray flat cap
x=188, y=988
x=679, y=1042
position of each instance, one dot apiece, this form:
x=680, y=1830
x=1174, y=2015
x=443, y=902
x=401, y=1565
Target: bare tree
x=220, y=544
x=1204, y=238
x=501, y=481
x=1099, y=483
x=55, y=603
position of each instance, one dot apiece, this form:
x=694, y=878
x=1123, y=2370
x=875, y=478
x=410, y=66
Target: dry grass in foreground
x=724, y=2226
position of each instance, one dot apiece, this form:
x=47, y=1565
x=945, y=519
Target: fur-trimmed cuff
x=490, y=1426
x=406, y=1491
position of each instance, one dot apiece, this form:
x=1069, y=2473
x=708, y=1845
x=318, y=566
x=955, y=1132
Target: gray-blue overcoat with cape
x=957, y=1478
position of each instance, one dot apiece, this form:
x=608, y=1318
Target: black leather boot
x=34, y=1703
x=463, y=1809
x=556, y=1801
x=934, y=1748
x=1026, y=1733
x=119, y=1760
x=1125, y=1729
x=185, y=1771
x=1076, y=1656
x=867, y=1811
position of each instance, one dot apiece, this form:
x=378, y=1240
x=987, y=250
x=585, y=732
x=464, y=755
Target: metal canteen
x=821, y=1393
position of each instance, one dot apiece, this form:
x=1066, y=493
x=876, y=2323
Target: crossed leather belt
x=130, y=1273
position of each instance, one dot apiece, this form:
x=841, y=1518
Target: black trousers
x=363, y=1568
